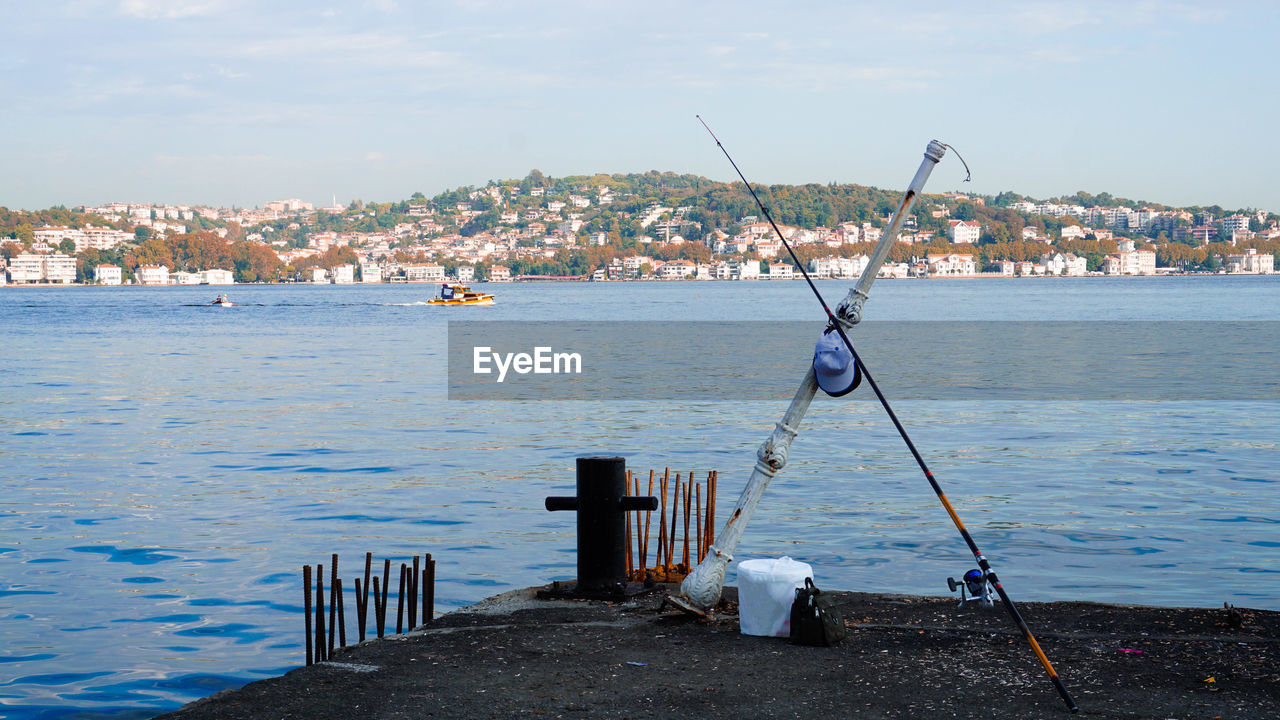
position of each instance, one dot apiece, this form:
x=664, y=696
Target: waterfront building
x=36, y=267
x=1130, y=262
x=744, y=269
x=26, y=268
x=370, y=272
x=466, y=273
x=217, y=276
x=319, y=275
x=500, y=273
x=677, y=270
x=153, y=275
x=780, y=271
x=181, y=277
x=344, y=274
x=893, y=270
x=424, y=273
x=839, y=267
x=1251, y=261
x=952, y=264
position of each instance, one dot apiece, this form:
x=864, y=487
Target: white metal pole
x=703, y=586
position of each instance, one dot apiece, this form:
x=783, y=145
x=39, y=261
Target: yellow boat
x=453, y=295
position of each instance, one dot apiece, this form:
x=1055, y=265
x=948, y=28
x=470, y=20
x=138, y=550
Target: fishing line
x=838, y=326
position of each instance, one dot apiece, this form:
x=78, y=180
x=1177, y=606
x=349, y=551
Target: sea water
x=168, y=467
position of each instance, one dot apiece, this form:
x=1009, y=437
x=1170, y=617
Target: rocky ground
x=905, y=656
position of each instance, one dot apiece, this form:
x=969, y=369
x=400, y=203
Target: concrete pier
x=905, y=656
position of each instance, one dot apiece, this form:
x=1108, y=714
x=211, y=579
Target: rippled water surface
x=168, y=467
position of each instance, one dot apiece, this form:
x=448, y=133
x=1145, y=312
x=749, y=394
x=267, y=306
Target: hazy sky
x=237, y=102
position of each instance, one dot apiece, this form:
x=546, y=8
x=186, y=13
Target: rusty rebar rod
x=364, y=603
x=400, y=601
x=379, y=609
x=342, y=619
x=320, y=654
x=333, y=602
x=306, y=609
x=429, y=587
x=697, y=525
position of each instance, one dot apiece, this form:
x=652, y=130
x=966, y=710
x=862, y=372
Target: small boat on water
x=454, y=295
x=222, y=301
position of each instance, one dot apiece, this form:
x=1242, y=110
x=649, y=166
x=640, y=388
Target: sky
x=235, y=102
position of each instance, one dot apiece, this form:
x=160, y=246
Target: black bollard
x=601, y=505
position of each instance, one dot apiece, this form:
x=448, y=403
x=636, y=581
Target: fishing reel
x=974, y=587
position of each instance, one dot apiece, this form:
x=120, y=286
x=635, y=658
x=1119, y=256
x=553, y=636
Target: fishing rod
x=837, y=324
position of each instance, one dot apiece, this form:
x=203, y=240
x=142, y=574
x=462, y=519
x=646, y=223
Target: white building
x=216, y=276
x=1063, y=264
x=182, y=277
x=893, y=270
x=1251, y=261
x=839, y=267
x=1072, y=231
x=1130, y=262
x=964, y=231
x=737, y=270
x=1233, y=224
x=370, y=273
x=952, y=264
x=500, y=273
x=466, y=273
x=424, y=273
x=780, y=271
x=153, y=275
x=319, y=275
x=26, y=268
x=677, y=270
x=344, y=274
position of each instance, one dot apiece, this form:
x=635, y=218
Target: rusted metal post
x=400, y=601
x=379, y=609
x=320, y=654
x=363, y=592
x=703, y=586
x=342, y=618
x=333, y=602
x=414, y=574
x=361, y=607
x=429, y=590
x=306, y=609
x=697, y=525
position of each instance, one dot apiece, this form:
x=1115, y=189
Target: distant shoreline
x=519, y=281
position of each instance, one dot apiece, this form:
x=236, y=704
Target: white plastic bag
x=766, y=589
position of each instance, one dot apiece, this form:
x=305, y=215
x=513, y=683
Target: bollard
x=601, y=504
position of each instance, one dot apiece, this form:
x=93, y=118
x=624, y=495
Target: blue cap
x=834, y=366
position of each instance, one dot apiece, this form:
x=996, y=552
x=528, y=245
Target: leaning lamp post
x=703, y=586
